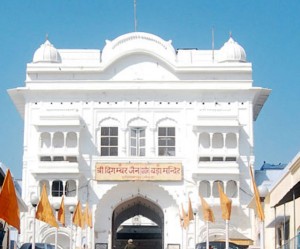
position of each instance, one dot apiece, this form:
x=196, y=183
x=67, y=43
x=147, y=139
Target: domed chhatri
x=232, y=52
x=46, y=53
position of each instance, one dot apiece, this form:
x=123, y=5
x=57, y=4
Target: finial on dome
x=47, y=37
x=232, y=51
x=46, y=53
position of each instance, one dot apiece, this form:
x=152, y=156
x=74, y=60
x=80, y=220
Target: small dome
x=46, y=53
x=232, y=52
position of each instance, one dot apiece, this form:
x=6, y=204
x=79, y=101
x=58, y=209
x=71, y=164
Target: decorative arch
x=217, y=140
x=204, y=140
x=45, y=140
x=58, y=139
x=166, y=121
x=139, y=206
x=216, y=230
x=215, y=190
x=137, y=122
x=71, y=139
x=47, y=235
x=138, y=42
x=232, y=189
x=204, y=188
x=108, y=121
x=231, y=141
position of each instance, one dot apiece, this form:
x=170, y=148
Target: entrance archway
x=123, y=201
x=145, y=224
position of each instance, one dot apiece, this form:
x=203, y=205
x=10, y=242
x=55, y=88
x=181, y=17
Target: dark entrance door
x=145, y=235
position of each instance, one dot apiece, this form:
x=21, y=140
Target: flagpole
x=195, y=225
x=71, y=209
x=262, y=235
x=263, y=192
x=207, y=237
x=182, y=237
x=56, y=206
x=135, y=19
x=186, y=237
x=34, y=201
x=86, y=235
x=56, y=232
x=227, y=234
x=195, y=229
x=76, y=239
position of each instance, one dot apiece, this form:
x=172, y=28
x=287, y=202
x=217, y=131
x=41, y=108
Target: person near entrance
x=130, y=245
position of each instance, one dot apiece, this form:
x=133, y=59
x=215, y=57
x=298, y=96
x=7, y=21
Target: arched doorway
x=48, y=236
x=123, y=201
x=139, y=219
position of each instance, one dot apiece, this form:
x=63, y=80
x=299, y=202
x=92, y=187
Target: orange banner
x=138, y=171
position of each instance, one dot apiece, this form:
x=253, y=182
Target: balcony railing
x=293, y=243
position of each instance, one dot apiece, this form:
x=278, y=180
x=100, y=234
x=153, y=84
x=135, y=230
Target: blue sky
x=269, y=31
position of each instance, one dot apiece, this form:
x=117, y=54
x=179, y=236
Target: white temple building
x=135, y=130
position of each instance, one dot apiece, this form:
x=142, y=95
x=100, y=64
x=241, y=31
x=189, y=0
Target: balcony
x=56, y=167
x=59, y=151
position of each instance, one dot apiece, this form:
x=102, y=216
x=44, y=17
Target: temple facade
x=135, y=131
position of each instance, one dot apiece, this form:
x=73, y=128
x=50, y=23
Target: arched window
x=58, y=140
x=57, y=188
x=204, y=189
x=137, y=141
x=204, y=140
x=70, y=190
x=231, y=189
x=45, y=140
x=217, y=141
x=231, y=141
x=215, y=188
x=137, y=136
x=71, y=140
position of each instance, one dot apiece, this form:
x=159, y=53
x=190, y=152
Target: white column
x=210, y=141
x=123, y=143
x=65, y=140
x=152, y=141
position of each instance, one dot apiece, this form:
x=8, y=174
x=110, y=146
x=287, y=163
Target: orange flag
x=185, y=216
x=225, y=203
x=85, y=215
x=208, y=214
x=61, y=213
x=9, y=208
x=260, y=212
x=90, y=221
x=44, y=211
x=190, y=211
x=77, y=216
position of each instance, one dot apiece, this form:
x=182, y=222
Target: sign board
x=138, y=171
